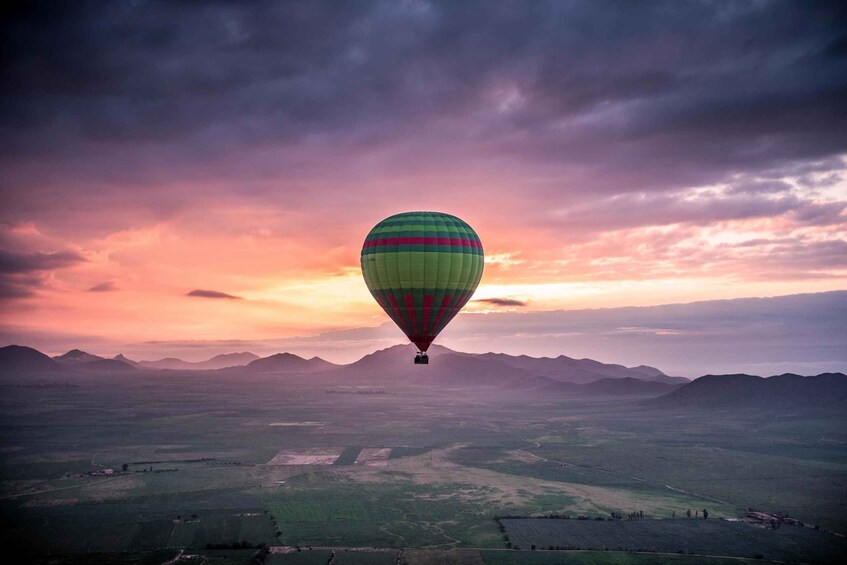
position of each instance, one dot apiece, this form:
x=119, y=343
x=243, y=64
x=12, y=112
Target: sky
x=183, y=178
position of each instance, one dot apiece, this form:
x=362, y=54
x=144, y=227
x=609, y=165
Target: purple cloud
x=12, y=263
x=502, y=301
x=199, y=293
x=691, y=94
x=107, y=286
x=21, y=274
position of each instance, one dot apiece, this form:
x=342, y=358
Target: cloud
x=13, y=263
x=199, y=293
x=801, y=333
x=691, y=339
x=694, y=207
x=248, y=99
x=756, y=186
x=22, y=274
x=585, y=141
x=107, y=286
x=501, y=301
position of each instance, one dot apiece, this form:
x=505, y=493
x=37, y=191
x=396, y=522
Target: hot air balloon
x=421, y=268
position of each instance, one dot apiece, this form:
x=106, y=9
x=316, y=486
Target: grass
x=365, y=558
x=311, y=557
x=602, y=558
x=224, y=526
x=809, y=489
x=400, y=513
x=705, y=537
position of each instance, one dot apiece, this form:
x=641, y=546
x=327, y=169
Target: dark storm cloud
x=199, y=293
x=13, y=263
x=622, y=95
x=648, y=209
x=502, y=301
x=21, y=274
x=19, y=286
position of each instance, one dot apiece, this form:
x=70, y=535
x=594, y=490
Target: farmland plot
x=605, y=558
x=374, y=456
x=307, y=456
x=704, y=537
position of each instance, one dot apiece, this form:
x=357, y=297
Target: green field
x=390, y=511
x=605, y=558
x=365, y=558
x=459, y=458
x=314, y=557
x=687, y=536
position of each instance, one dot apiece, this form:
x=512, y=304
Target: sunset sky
x=196, y=178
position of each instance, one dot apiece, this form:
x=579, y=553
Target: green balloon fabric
x=422, y=268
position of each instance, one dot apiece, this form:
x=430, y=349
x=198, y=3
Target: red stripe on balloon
x=392, y=312
x=428, y=299
x=400, y=320
x=410, y=310
x=422, y=241
x=445, y=302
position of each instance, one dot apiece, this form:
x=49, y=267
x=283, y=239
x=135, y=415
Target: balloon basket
x=421, y=359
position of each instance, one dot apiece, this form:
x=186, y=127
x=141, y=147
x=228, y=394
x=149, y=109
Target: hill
x=21, y=359
x=517, y=373
x=452, y=367
x=217, y=362
x=580, y=371
x=780, y=392
x=392, y=362
x=83, y=361
x=107, y=366
x=288, y=363
x=76, y=356
x=628, y=386
x=120, y=357
x=447, y=367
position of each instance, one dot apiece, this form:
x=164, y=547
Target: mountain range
x=77, y=357
x=561, y=375
x=385, y=365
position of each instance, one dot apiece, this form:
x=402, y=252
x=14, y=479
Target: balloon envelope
x=422, y=268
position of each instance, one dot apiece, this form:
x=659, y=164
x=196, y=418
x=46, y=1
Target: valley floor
x=137, y=471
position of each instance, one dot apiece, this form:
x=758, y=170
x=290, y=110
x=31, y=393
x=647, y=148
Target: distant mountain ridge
x=490, y=367
x=448, y=367
x=75, y=356
x=552, y=376
x=217, y=362
x=288, y=363
x=580, y=371
x=780, y=392
x=79, y=359
x=560, y=375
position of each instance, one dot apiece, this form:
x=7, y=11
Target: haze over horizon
x=198, y=179
x=802, y=334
